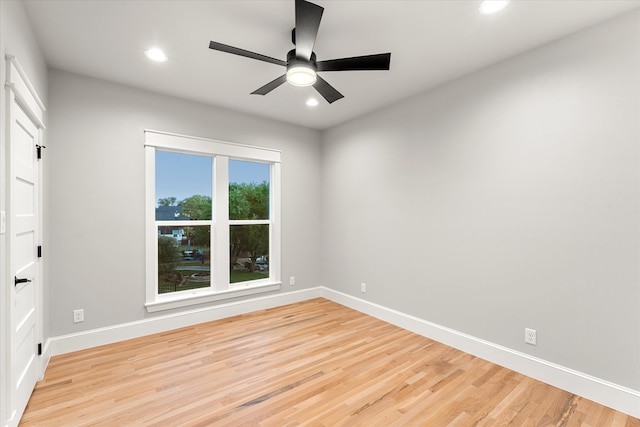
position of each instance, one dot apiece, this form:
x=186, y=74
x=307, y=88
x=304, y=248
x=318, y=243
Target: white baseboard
x=615, y=396
x=606, y=393
x=151, y=325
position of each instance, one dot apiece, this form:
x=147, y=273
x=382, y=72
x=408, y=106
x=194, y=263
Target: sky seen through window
x=184, y=175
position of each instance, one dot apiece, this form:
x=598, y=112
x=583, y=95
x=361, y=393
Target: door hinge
x=39, y=349
x=39, y=148
x=39, y=251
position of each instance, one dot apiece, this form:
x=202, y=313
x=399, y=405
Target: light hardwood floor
x=314, y=363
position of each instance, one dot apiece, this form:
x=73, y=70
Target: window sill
x=184, y=300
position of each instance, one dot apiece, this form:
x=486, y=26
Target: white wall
x=97, y=187
x=503, y=200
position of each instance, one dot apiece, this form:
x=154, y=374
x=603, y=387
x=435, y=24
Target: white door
x=24, y=226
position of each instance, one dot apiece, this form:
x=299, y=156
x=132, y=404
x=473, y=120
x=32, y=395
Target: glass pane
x=248, y=190
x=249, y=252
x=183, y=186
x=184, y=258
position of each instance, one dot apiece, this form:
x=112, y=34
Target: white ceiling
x=431, y=42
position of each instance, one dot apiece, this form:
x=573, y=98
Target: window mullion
x=185, y=223
x=249, y=221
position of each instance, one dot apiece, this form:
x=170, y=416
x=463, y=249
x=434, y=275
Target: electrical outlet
x=292, y=280
x=78, y=315
x=363, y=287
x=530, y=336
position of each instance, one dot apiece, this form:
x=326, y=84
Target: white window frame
x=221, y=152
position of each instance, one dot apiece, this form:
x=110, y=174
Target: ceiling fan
x=301, y=64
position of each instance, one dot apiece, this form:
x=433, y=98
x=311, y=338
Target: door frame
x=18, y=89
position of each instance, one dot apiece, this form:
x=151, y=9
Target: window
x=248, y=220
x=212, y=220
x=183, y=190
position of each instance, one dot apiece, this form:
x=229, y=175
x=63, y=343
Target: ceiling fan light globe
x=300, y=75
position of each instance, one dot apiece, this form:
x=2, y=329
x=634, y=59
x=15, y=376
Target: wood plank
x=314, y=363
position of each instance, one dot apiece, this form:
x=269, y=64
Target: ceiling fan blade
x=380, y=61
x=327, y=91
x=270, y=86
x=308, y=16
x=241, y=52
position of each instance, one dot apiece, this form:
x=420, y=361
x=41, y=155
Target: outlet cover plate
x=530, y=336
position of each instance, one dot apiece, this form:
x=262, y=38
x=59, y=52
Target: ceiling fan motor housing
x=293, y=60
x=301, y=72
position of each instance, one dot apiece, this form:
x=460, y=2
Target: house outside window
x=212, y=220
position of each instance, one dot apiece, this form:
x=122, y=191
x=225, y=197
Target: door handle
x=20, y=280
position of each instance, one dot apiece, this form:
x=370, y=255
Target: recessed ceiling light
x=488, y=7
x=156, y=54
x=312, y=102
